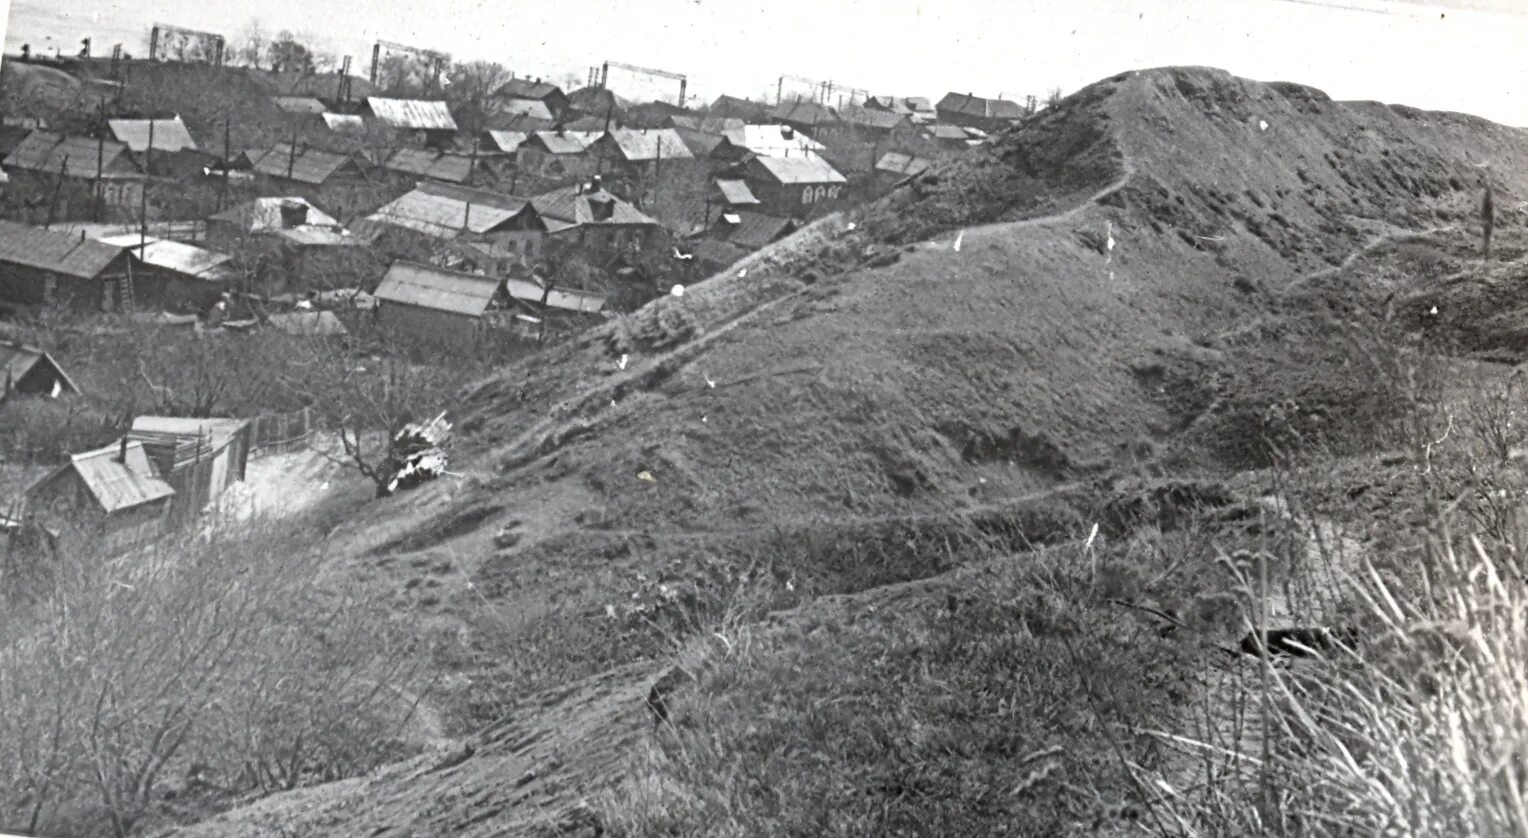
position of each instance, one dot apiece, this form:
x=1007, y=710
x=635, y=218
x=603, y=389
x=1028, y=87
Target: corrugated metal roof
x=566, y=142
x=896, y=162
x=565, y=300
x=298, y=104
x=412, y=114
x=44, y=151
x=169, y=134
x=444, y=211
x=175, y=256
x=413, y=284
x=345, y=123
x=573, y=207
x=120, y=485
x=308, y=165
x=18, y=359
x=46, y=250
x=772, y=141
x=320, y=324
x=507, y=140
x=791, y=170
x=638, y=145
x=736, y=192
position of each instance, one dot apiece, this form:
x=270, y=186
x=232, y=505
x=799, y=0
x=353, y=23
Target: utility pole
x=100, y=197
x=143, y=193
x=472, y=161
x=780, y=90
x=658, y=171
x=292, y=154
x=57, y=185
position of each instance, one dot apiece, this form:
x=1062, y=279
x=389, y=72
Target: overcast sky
x=1466, y=55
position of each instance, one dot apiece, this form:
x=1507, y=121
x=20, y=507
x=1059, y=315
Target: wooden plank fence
x=283, y=433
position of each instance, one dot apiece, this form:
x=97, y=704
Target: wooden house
x=972, y=111
x=43, y=268
x=427, y=122
x=30, y=371
x=794, y=187
x=63, y=178
x=433, y=305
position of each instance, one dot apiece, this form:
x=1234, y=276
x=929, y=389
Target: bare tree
x=471, y=93
x=288, y=54
x=1053, y=98
x=252, y=43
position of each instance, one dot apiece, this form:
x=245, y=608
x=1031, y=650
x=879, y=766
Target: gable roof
x=45, y=151
x=707, y=124
x=895, y=162
x=114, y=485
x=527, y=108
x=737, y=106
x=446, y=210
x=56, y=252
x=175, y=256
x=871, y=118
x=530, y=292
x=412, y=161
x=699, y=142
x=574, y=208
x=979, y=106
x=18, y=359
x=527, y=89
x=412, y=114
x=216, y=433
x=596, y=100
x=439, y=289
x=309, y=165
x=298, y=104
x=169, y=134
x=804, y=112
x=649, y=144
x=807, y=169
x=564, y=142
x=901, y=104
x=507, y=140
x=772, y=141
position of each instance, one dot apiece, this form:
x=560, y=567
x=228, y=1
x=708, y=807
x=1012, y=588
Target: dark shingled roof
x=59, y=253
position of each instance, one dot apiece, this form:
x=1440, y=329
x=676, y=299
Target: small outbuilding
x=435, y=305
x=112, y=493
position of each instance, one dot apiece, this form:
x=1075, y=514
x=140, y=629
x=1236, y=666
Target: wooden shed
x=199, y=458
x=439, y=306
x=112, y=493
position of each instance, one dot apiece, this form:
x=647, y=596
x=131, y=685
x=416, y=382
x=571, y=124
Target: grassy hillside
x=1098, y=319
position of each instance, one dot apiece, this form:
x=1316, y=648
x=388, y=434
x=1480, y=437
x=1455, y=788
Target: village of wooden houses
x=183, y=231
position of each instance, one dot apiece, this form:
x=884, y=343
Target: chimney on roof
x=596, y=184
x=122, y=451
x=787, y=132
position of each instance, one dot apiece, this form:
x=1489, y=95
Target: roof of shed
x=425, y=286
x=262, y=214
x=174, y=256
x=528, y=291
x=412, y=114
x=119, y=485
x=902, y=164
x=61, y=253
x=755, y=230
x=771, y=141
x=216, y=431
x=168, y=134
x=298, y=104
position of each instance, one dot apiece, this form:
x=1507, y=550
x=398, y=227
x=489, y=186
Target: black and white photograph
x=813, y=419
